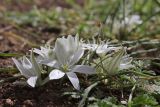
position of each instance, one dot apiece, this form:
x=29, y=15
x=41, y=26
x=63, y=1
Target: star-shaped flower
x=68, y=52
x=100, y=49
x=30, y=69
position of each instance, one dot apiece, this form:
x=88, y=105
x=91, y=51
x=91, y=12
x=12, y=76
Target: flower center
x=65, y=68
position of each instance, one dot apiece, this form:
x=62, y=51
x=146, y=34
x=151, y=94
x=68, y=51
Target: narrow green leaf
x=86, y=92
x=9, y=54
x=8, y=69
x=36, y=66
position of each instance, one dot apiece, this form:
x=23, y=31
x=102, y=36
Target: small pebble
x=28, y=102
x=1, y=37
x=9, y=102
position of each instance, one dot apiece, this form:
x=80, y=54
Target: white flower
x=68, y=52
x=134, y=19
x=115, y=63
x=129, y=23
x=125, y=63
x=29, y=68
x=104, y=48
x=91, y=47
x=100, y=49
x=46, y=56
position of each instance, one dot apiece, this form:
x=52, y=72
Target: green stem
x=130, y=96
x=86, y=92
x=145, y=76
x=8, y=69
x=45, y=81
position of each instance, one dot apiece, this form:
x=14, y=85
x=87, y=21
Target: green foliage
x=9, y=54
x=144, y=100
x=93, y=18
x=111, y=65
x=107, y=102
x=35, y=17
x=138, y=101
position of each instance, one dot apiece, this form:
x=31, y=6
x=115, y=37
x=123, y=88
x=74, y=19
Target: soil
x=49, y=95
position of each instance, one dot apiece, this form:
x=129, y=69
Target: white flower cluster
x=128, y=23
x=64, y=59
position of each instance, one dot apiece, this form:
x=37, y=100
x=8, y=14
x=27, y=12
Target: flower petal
x=135, y=19
x=36, y=67
x=126, y=63
x=102, y=49
x=21, y=69
x=60, y=51
x=68, y=50
x=32, y=81
x=126, y=59
x=48, y=62
x=91, y=47
x=51, y=63
x=56, y=74
x=111, y=64
x=77, y=56
x=37, y=51
x=26, y=63
x=74, y=80
x=115, y=61
x=84, y=69
x=125, y=66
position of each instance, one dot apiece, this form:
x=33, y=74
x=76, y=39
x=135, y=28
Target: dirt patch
x=26, y=5
x=49, y=95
